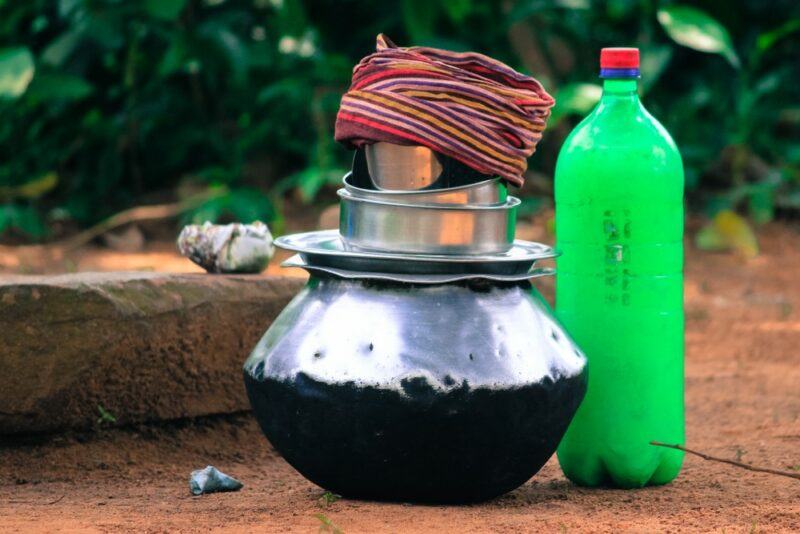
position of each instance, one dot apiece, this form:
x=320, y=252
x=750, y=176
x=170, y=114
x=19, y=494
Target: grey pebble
x=211, y=480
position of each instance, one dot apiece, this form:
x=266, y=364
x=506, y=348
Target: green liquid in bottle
x=619, y=291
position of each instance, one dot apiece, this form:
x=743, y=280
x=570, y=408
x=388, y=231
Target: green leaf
x=105, y=416
x=57, y=52
x=693, y=28
x=55, y=86
x=236, y=53
x=31, y=190
x=730, y=232
x=16, y=71
x=164, y=9
x=175, y=57
x=575, y=99
x=766, y=40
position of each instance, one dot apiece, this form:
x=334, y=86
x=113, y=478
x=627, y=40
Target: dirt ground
x=743, y=401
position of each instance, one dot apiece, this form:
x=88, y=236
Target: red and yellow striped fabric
x=465, y=105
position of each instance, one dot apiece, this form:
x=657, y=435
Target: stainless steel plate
x=487, y=193
x=298, y=262
x=379, y=225
x=325, y=248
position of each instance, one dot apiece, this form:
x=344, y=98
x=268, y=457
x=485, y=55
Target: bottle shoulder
x=621, y=125
x=606, y=133
x=619, y=152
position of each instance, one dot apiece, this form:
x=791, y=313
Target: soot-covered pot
x=454, y=392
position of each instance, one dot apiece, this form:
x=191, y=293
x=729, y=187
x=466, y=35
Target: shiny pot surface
x=455, y=392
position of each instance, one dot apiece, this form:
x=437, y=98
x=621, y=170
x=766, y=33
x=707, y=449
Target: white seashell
x=228, y=248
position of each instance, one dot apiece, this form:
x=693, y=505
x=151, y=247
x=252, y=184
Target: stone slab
x=144, y=346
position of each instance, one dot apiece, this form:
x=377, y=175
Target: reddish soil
x=743, y=400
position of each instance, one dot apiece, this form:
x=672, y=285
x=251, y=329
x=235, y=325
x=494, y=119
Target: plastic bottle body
x=619, y=291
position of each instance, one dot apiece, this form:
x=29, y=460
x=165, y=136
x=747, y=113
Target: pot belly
x=414, y=441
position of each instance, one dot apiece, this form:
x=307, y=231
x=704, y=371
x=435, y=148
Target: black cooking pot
x=453, y=392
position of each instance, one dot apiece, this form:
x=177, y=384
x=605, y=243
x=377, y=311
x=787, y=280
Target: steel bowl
x=401, y=167
x=374, y=225
x=487, y=193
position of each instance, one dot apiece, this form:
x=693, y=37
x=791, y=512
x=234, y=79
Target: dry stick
x=137, y=214
x=56, y=251
x=57, y=500
x=726, y=461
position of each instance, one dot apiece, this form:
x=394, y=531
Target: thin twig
x=137, y=214
x=57, y=500
x=40, y=254
x=726, y=461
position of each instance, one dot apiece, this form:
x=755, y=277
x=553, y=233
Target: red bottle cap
x=619, y=58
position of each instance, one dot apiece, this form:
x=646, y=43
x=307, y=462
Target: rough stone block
x=144, y=346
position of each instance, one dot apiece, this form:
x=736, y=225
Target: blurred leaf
x=52, y=86
x=690, y=27
x=30, y=190
x=175, y=57
x=164, y=9
x=766, y=40
x=789, y=200
x=728, y=231
x=761, y=203
x=67, y=7
x=16, y=71
x=457, y=10
x=292, y=17
x=239, y=205
x=288, y=88
x=575, y=99
x=527, y=8
x=57, y=52
x=619, y=9
x=236, y=52
x=23, y=218
x=309, y=181
x=216, y=175
x=653, y=64
x=772, y=81
x=420, y=18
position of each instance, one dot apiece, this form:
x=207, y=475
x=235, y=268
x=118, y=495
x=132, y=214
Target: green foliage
x=329, y=498
x=691, y=27
x=106, y=417
x=575, y=99
x=326, y=525
x=16, y=71
x=122, y=103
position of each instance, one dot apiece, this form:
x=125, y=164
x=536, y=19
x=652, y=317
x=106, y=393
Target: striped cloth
x=468, y=106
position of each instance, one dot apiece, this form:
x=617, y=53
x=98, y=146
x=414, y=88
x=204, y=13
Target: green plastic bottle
x=619, y=289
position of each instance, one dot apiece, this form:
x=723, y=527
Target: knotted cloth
x=468, y=106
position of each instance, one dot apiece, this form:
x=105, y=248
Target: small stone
x=228, y=248
x=212, y=480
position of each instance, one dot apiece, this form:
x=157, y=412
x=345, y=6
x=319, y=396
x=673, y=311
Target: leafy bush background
x=112, y=103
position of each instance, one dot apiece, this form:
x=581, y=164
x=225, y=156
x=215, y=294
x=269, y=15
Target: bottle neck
x=620, y=93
